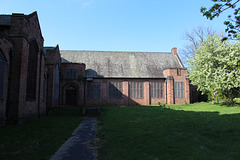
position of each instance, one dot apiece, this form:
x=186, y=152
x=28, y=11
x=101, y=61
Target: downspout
x=166, y=90
x=84, y=92
x=150, y=96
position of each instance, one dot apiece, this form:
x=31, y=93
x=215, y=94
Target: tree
x=233, y=24
x=194, y=38
x=216, y=67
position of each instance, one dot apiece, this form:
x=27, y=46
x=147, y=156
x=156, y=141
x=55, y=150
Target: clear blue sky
x=115, y=25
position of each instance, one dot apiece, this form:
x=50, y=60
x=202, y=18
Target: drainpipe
x=166, y=89
x=84, y=92
x=150, y=96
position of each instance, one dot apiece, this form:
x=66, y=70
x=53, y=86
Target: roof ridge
x=114, y=51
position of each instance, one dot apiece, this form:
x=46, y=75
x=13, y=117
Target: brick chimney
x=174, y=50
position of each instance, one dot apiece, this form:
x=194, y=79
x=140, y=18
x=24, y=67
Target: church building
x=34, y=78
x=128, y=78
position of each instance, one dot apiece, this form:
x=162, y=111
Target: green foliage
x=237, y=100
x=216, y=66
x=162, y=105
x=233, y=24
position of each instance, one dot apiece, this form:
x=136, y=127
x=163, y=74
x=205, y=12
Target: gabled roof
x=111, y=64
x=49, y=48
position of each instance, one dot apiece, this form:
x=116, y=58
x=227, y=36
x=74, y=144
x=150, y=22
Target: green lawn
x=199, y=131
x=40, y=138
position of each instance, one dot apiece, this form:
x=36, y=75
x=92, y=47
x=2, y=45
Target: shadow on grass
x=148, y=132
x=40, y=138
x=65, y=111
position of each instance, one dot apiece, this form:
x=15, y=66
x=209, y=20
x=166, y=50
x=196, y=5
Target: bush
x=237, y=101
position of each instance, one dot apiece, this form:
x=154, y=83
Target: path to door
x=79, y=146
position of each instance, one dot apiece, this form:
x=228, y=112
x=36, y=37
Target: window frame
x=92, y=89
x=157, y=89
x=179, y=89
x=115, y=90
x=71, y=74
x=136, y=90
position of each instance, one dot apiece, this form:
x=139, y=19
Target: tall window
x=44, y=88
x=136, y=89
x=71, y=74
x=56, y=84
x=32, y=70
x=94, y=90
x=179, y=89
x=157, y=90
x=2, y=73
x=115, y=90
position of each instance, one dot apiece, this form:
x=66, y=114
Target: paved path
x=78, y=146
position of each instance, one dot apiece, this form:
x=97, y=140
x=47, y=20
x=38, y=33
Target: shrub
x=237, y=101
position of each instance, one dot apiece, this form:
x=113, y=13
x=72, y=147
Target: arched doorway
x=71, y=96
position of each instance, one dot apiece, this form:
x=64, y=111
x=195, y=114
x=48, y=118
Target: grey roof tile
x=111, y=64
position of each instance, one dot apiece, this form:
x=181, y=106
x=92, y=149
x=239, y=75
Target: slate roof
x=111, y=64
x=5, y=20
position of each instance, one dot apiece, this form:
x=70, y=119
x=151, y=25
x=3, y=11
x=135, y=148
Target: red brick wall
x=177, y=75
x=5, y=47
x=170, y=90
x=23, y=30
x=42, y=102
x=77, y=83
x=126, y=100
x=52, y=60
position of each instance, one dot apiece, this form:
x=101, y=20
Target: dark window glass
x=157, y=90
x=115, y=90
x=2, y=73
x=136, y=89
x=179, y=89
x=32, y=70
x=71, y=74
x=93, y=90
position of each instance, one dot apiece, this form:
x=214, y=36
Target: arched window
x=56, y=84
x=3, y=74
x=32, y=70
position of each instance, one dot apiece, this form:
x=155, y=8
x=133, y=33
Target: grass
x=183, y=132
x=40, y=138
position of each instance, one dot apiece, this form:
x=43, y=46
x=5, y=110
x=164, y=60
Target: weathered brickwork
x=36, y=78
x=6, y=53
x=177, y=75
x=53, y=64
x=72, y=84
x=25, y=34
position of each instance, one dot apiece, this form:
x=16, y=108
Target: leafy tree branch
x=233, y=21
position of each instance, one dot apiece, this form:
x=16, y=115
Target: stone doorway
x=71, y=97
